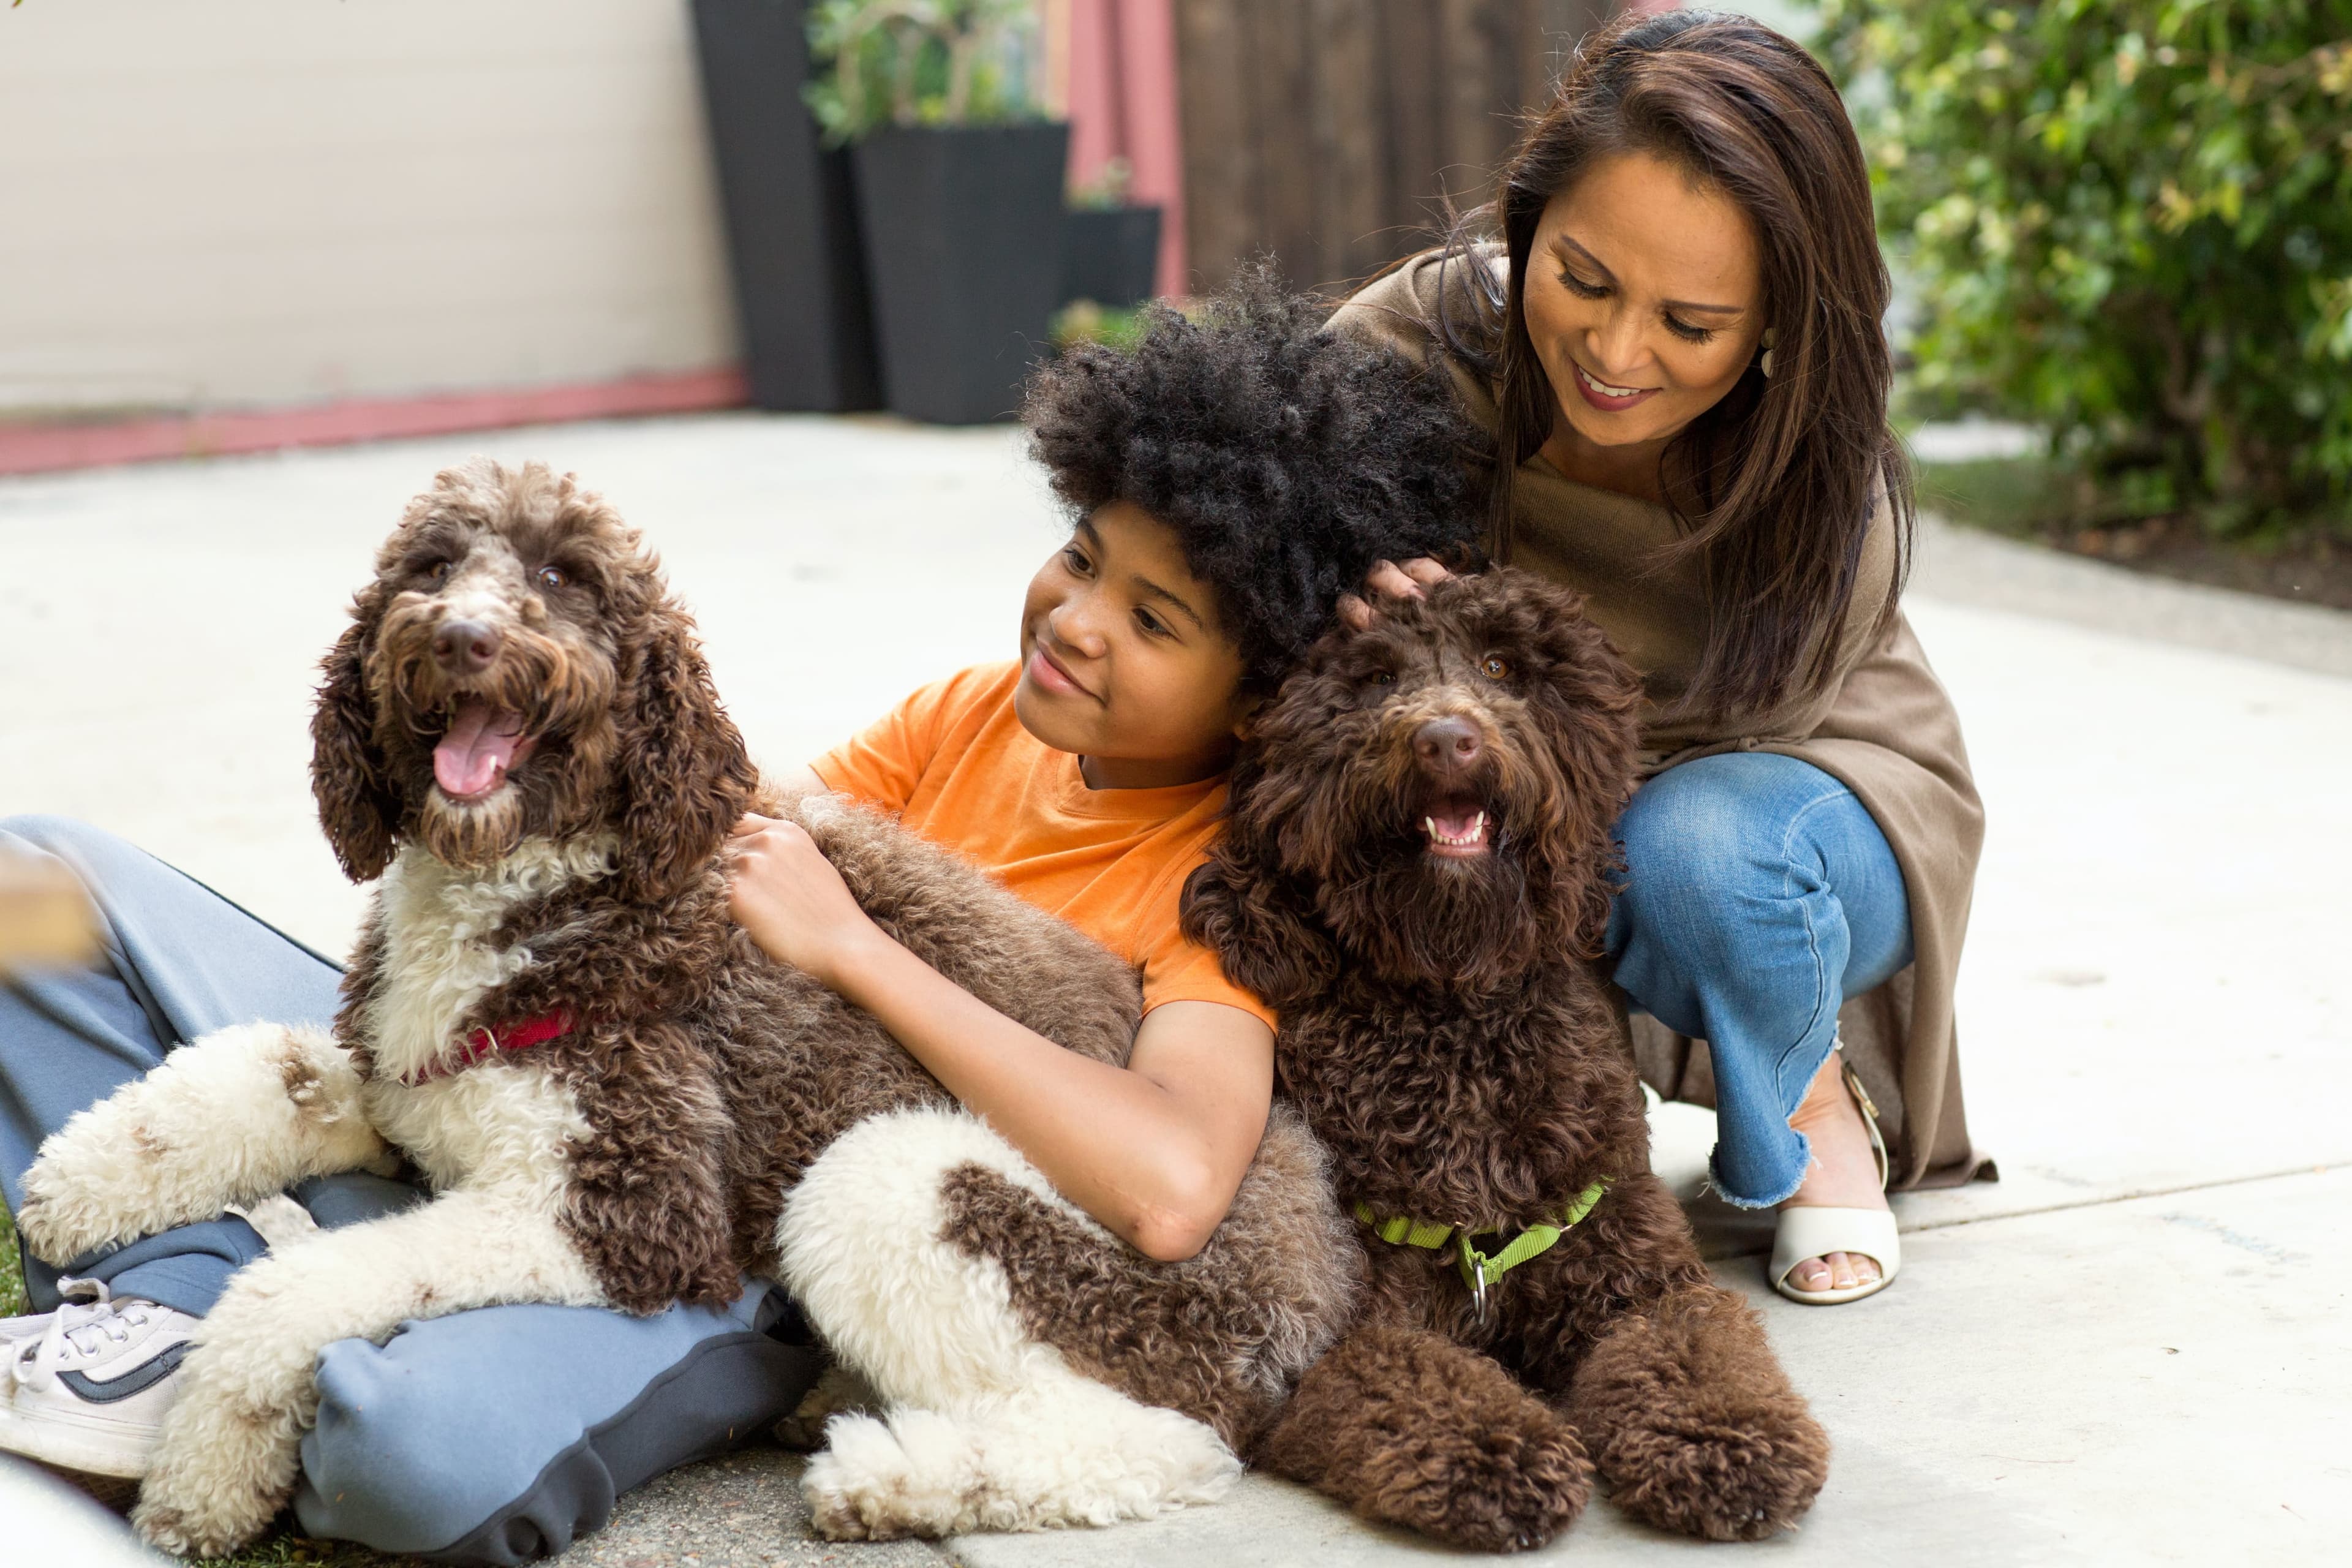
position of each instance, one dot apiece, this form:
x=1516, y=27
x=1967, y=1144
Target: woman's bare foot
x=1844, y=1175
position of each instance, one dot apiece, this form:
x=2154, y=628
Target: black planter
x=963, y=257
x=1110, y=255
x=792, y=223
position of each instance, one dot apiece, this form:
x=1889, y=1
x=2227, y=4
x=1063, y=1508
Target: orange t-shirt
x=955, y=766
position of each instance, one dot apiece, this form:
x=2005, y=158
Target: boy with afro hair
x=1229, y=480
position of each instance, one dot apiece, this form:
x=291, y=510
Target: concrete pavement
x=2135, y=1347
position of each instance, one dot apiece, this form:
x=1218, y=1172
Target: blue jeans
x=1759, y=895
x=487, y=1437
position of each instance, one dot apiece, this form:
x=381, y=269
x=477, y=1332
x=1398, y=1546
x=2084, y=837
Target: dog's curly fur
x=655, y=1150
x=1443, y=1033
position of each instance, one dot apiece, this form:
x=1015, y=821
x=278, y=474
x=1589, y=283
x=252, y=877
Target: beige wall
x=226, y=203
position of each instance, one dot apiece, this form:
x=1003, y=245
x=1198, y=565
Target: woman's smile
x=1606, y=398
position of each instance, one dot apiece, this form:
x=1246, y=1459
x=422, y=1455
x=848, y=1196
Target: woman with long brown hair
x=1670, y=326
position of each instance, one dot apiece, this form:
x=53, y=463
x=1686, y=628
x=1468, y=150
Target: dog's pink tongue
x=478, y=751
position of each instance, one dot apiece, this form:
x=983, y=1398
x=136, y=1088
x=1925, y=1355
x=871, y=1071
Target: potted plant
x=959, y=186
x=792, y=224
x=1111, y=250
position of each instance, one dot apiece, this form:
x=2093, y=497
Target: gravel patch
x=743, y=1510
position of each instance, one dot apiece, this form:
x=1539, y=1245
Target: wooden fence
x=1332, y=131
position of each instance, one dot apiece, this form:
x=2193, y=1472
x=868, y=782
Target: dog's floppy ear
x=683, y=774
x=359, y=809
x=1593, y=724
x=1600, y=697
x=1240, y=907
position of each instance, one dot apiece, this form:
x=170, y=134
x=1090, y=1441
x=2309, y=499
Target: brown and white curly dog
x=619, y=1101
x=1414, y=874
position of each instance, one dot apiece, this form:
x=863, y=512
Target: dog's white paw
x=230, y=1448
x=923, y=1473
x=83, y=1191
x=866, y=1486
x=1020, y=1464
x=223, y=1469
x=231, y=1117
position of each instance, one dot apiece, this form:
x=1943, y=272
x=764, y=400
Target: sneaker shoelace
x=77, y=1331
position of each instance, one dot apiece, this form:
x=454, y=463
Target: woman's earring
x=1764, y=364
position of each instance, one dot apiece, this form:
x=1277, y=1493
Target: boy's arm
x=1154, y=1150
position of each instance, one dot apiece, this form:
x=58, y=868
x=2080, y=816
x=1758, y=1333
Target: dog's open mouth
x=483, y=743
x=1457, y=827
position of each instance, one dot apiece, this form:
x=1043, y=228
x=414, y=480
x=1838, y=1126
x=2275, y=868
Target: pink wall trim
x=1123, y=105
x=32, y=448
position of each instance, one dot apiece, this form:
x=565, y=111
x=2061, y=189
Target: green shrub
x=879, y=63
x=2129, y=221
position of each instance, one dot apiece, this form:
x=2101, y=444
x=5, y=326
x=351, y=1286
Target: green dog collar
x=1481, y=1269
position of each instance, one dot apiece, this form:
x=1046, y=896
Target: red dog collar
x=517, y=1035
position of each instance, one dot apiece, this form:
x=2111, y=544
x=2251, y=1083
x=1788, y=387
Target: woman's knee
x=1721, y=918
x=1711, y=845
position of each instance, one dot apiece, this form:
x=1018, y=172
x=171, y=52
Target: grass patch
x=2039, y=496
x=286, y=1547
x=12, y=1268
x=2020, y=497
x=2305, y=558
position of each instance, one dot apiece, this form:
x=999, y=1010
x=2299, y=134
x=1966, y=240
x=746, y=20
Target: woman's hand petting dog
x=783, y=890
x=1391, y=580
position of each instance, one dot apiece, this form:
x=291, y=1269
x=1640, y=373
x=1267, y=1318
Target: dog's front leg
x=1693, y=1422
x=1410, y=1427
x=230, y=1443
x=989, y=1428
x=1677, y=1394
x=229, y=1119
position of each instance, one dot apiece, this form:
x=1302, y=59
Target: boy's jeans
x=1759, y=896
x=490, y=1436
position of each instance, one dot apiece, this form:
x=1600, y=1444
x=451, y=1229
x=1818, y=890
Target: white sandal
x=1808, y=1232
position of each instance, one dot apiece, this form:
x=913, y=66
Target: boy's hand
x=786, y=894
x=1391, y=580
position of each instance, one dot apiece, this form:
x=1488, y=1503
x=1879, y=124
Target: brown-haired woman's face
x=1643, y=299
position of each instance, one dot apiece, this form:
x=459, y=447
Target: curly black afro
x=1286, y=458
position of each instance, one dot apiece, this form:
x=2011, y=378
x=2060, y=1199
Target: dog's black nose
x=1446, y=745
x=465, y=647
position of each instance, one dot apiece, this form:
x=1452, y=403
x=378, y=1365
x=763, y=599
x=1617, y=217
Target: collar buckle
x=1479, y=1269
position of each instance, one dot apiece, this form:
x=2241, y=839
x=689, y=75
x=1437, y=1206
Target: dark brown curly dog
x=1415, y=875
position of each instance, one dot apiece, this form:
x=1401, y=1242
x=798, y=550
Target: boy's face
x=1122, y=659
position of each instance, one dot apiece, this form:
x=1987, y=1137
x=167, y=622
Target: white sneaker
x=88, y=1391
x=31, y=1327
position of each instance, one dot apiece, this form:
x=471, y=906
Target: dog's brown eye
x=437, y=573
x=1383, y=677
x=1496, y=668
x=548, y=578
